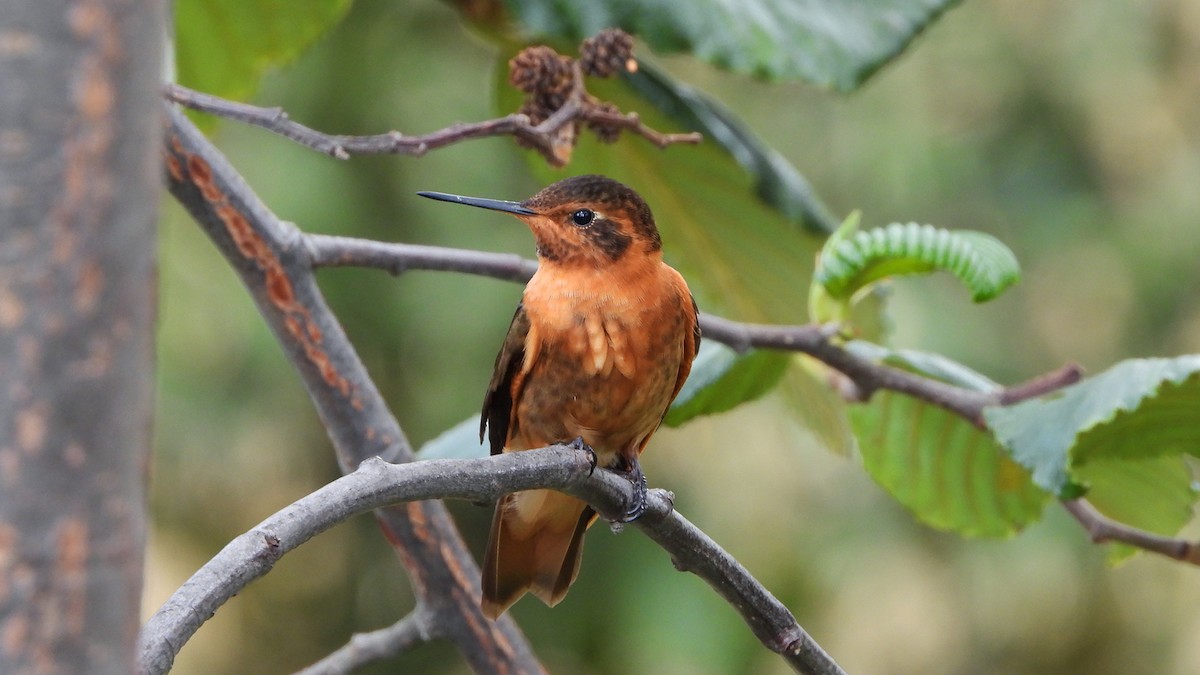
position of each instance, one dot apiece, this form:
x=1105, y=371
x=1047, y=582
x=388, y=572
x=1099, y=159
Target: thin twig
x=332, y=251
x=1103, y=529
x=633, y=122
x=1042, y=384
x=377, y=483
x=377, y=645
x=542, y=137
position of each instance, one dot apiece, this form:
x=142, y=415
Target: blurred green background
x=1070, y=130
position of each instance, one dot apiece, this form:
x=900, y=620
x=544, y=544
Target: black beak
x=493, y=204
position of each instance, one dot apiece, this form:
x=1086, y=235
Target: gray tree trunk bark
x=80, y=130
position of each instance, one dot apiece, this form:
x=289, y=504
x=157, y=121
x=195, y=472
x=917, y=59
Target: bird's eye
x=583, y=217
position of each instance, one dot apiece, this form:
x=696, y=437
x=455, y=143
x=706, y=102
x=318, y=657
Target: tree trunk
x=80, y=130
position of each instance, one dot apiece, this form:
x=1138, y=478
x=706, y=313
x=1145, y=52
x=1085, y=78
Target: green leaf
x=722, y=379
x=835, y=43
x=776, y=180
x=1164, y=423
x=1138, y=409
x=223, y=47
x=742, y=258
x=1155, y=494
x=948, y=472
x=850, y=263
x=460, y=441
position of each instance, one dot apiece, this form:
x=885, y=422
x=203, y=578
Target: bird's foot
x=632, y=471
x=579, y=444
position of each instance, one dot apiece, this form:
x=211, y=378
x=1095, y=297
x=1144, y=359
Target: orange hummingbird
x=601, y=342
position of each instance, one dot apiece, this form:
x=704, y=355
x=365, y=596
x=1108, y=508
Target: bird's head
x=584, y=220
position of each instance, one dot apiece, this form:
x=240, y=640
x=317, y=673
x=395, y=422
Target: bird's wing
x=502, y=391
x=691, y=343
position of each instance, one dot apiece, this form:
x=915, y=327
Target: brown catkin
x=606, y=52
x=540, y=69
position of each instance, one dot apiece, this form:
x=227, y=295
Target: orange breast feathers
x=603, y=360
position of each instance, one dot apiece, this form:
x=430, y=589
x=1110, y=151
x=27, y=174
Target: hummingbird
x=600, y=344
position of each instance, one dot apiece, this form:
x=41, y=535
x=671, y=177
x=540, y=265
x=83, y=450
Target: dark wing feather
x=498, y=402
x=691, y=344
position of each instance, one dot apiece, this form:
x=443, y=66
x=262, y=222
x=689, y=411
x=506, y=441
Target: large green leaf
x=742, y=258
x=722, y=379
x=1155, y=494
x=776, y=180
x=1138, y=409
x=223, y=47
x=948, y=472
x=836, y=43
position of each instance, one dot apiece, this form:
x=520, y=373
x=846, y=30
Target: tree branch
x=365, y=648
x=79, y=227
x=1103, y=529
x=270, y=258
x=333, y=251
x=377, y=483
x=542, y=137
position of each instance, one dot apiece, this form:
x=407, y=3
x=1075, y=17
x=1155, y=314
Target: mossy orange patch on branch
x=297, y=320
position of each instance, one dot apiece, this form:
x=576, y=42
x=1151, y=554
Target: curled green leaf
x=851, y=262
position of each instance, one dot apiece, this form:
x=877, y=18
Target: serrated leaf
x=223, y=47
x=852, y=262
x=1155, y=494
x=722, y=379
x=949, y=473
x=742, y=258
x=1163, y=424
x=836, y=43
x=460, y=441
x=1138, y=409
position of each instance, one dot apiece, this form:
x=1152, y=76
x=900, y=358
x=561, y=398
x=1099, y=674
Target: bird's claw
x=632, y=471
x=579, y=444
x=640, y=499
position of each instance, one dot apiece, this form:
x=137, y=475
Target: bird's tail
x=535, y=546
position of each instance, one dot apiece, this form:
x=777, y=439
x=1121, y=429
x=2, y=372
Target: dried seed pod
x=607, y=52
x=540, y=69
x=549, y=100
x=536, y=112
